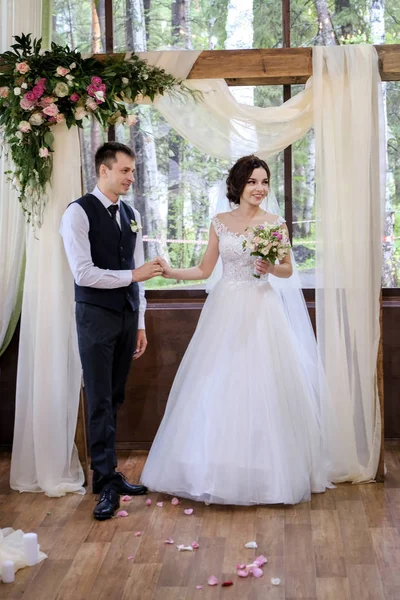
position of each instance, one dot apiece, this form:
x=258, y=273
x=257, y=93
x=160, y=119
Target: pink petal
x=160, y=504
x=175, y=501
x=126, y=498
x=138, y=533
x=122, y=513
x=130, y=557
x=188, y=511
x=212, y=580
x=257, y=572
x=148, y=502
x=169, y=541
x=240, y=566
x=260, y=560
x=243, y=573
x=227, y=583
x=195, y=545
x=199, y=587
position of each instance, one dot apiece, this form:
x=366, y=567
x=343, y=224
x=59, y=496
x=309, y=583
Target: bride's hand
x=263, y=266
x=167, y=270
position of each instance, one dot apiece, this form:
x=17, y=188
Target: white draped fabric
x=343, y=102
x=350, y=175
x=44, y=456
x=15, y=17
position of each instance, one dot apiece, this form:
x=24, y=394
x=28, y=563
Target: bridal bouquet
x=270, y=242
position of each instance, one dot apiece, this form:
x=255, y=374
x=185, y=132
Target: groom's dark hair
x=107, y=154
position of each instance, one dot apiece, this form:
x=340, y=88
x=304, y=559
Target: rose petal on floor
x=188, y=511
x=175, y=501
x=126, y=498
x=195, y=545
x=243, y=573
x=261, y=560
x=227, y=583
x=212, y=580
x=130, y=557
x=138, y=533
x=148, y=502
x=251, y=545
x=257, y=572
x=240, y=566
x=275, y=581
x=160, y=504
x=199, y=587
x=169, y=541
x=122, y=513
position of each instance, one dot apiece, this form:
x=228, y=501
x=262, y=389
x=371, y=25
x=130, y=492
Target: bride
x=242, y=423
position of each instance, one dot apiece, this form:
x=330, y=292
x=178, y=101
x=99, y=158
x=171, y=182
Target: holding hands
x=151, y=269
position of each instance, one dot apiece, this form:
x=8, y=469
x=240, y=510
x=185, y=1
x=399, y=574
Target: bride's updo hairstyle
x=240, y=173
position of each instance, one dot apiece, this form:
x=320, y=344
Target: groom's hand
x=147, y=271
x=141, y=344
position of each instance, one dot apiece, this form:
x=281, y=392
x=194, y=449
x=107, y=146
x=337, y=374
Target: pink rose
x=74, y=97
x=62, y=71
x=30, y=96
x=52, y=120
x=22, y=67
x=43, y=152
x=37, y=91
x=60, y=118
x=26, y=104
x=51, y=110
x=4, y=91
x=97, y=81
x=47, y=101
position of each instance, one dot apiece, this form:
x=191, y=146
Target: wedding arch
x=343, y=102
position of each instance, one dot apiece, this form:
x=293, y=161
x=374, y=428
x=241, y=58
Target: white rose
x=91, y=104
x=69, y=77
x=17, y=91
x=125, y=80
x=36, y=119
x=24, y=85
x=72, y=65
x=80, y=113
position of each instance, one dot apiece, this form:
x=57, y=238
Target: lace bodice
x=238, y=264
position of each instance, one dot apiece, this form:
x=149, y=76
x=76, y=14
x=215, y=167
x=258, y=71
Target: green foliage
x=39, y=90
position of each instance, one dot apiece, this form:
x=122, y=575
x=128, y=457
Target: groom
x=104, y=248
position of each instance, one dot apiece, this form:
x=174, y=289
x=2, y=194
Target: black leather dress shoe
x=122, y=486
x=118, y=482
x=107, y=504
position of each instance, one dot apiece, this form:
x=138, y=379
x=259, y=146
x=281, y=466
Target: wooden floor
x=344, y=544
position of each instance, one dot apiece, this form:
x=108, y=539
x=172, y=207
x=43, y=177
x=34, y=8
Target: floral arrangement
x=40, y=89
x=269, y=241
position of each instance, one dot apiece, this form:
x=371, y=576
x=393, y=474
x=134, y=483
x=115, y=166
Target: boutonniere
x=135, y=227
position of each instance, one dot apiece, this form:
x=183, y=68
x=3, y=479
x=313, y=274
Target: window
x=176, y=184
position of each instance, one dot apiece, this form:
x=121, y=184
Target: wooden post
x=80, y=432
x=80, y=436
x=380, y=475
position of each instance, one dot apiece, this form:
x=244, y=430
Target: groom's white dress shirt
x=77, y=248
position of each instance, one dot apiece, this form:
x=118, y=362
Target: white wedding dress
x=240, y=426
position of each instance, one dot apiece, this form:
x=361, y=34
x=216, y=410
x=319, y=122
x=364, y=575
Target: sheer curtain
x=44, y=456
x=350, y=175
x=15, y=18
